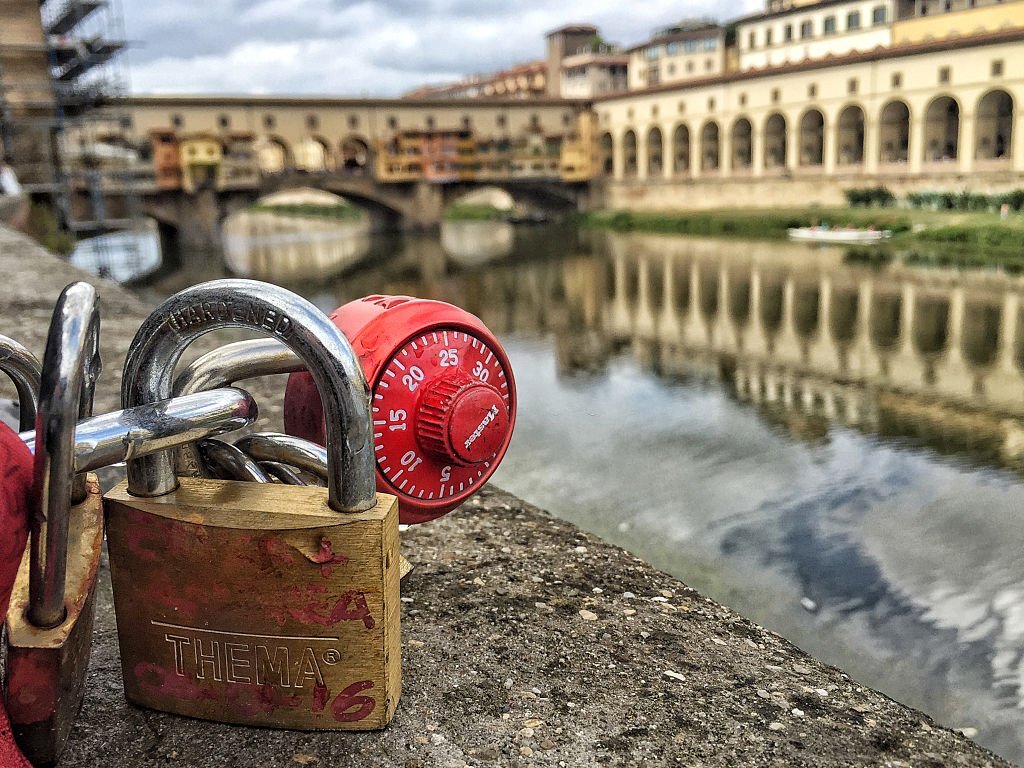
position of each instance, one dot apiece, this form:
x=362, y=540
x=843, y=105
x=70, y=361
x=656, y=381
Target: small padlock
x=25, y=371
x=49, y=624
x=257, y=603
x=444, y=400
x=15, y=501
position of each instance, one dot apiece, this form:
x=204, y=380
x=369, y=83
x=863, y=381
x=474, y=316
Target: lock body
x=46, y=668
x=257, y=604
x=443, y=400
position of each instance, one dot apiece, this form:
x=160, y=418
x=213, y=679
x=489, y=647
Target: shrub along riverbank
x=981, y=230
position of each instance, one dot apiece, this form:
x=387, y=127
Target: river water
x=830, y=446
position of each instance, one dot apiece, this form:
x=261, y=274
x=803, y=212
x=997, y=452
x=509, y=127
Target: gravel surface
x=525, y=642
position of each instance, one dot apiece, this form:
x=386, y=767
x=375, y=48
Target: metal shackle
x=230, y=462
x=70, y=368
x=323, y=349
x=285, y=474
x=24, y=369
x=224, y=366
x=114, y=437
x=292, y=451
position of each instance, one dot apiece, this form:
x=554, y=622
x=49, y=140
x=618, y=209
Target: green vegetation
x=866, y=197
x=966, y=201
x=473, y=212
x=770, y=224
x=982, y=231
x=43, y=227
x=312, y=211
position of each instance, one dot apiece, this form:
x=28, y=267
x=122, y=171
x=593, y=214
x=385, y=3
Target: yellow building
x=201, y=155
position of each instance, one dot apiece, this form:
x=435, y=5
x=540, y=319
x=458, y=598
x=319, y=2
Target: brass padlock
x=257, y=603
x=49, y=623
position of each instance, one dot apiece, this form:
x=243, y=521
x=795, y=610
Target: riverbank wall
x=525, y=641
x=788, y=190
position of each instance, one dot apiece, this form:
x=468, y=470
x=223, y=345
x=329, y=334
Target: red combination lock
x=443, y=399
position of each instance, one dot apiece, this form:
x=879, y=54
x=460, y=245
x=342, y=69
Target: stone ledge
x=525, y=642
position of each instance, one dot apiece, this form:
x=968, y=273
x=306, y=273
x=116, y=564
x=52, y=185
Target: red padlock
x=15, y=487
x=444, y=400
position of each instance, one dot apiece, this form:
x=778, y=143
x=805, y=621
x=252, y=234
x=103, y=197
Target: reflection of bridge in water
x=932, y=355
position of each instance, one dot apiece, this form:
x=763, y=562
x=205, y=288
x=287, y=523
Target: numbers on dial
x=416, y=364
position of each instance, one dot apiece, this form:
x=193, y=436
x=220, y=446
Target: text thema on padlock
x=443, y=399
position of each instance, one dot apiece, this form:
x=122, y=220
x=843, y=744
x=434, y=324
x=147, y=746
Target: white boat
x=846, y=236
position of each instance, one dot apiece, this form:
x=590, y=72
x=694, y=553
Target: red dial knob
x=443, y=400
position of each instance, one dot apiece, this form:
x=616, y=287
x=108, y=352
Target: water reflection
x=281, y=248
x=473, y=243
x=772, y=425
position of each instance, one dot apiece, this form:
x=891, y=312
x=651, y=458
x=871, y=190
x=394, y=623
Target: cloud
x=374, y=47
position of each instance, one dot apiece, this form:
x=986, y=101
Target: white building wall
x=818, y=45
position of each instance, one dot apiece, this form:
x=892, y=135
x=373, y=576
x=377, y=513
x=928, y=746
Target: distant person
x=8, y=179
x=14, y=206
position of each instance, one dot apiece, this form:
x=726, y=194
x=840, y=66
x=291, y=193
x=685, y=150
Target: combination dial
x=443, y=400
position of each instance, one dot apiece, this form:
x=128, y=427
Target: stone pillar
x=641, y=156
x=725, y=158
x=965, y=145
x=872, y=144
x=828, y=145
x=907, y=319
x=1018, y=137
x=757, y=149
x=916, y=149
x=1006, y=356
x=668, y=152
x=792, y=143
x=618, y=157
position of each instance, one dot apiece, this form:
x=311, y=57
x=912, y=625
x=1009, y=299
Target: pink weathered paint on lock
x=351, y=606
x=153, y=679
x=253, y=700
x=342, y=706
x=326, y=558
x=320, y=695
x=30, y=692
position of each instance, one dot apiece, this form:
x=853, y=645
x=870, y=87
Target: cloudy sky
x=372, y=48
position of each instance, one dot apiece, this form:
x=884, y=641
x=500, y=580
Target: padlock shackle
x=272, y=310
x=286, y=449
x=70, y=366
x=110, y=438
x=26, y=372
x=230, y=463
x=222, y=367
x=282, y=472
x=236, y=362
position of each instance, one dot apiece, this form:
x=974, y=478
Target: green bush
x=867, y=197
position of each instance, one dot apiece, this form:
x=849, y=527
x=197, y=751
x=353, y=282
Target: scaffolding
x=62, y=112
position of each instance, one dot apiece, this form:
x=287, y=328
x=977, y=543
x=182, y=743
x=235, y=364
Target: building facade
x=677, y=55
x=942, y=114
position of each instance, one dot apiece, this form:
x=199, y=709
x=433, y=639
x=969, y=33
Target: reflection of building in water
x=270, y=246
x=819, y=337
x=471, y=243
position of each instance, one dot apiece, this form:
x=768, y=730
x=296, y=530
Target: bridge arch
x=681, y=150
x=356, y=155
x=655, y=152
x=273, y=154
x=313, y=154
x=994, y=126
x=775, y=141
x=812, y=138
x=710, y=152
x=894, y=132
x=942, y=129
x=742, y=145
x=850, y=135
x=629, y=159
